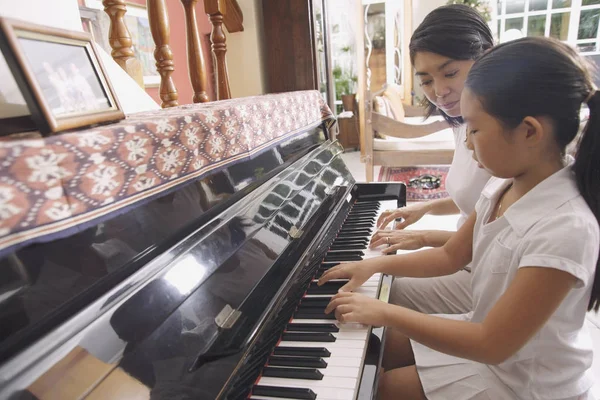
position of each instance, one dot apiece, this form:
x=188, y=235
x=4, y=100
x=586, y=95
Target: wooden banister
x=120, y=40
x=216, y=9
x=159, y=26
x=196, y=64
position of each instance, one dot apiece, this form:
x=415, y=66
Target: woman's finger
x=384, y=215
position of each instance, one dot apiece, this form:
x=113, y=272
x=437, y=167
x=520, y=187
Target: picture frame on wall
x=138, y=25
x=60, y=76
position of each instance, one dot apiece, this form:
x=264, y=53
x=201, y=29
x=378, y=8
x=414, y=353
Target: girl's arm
x=533, y=296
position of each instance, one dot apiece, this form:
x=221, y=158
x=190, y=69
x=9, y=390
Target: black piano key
x=308, y=337
x=334, y=257
x=331, y=287
x=317, y=311
x=350, y=241
x=329, y=264
x=293, y=373
x=357, y=224
x=352, y=252
x=358, y=231
x=362, y=213
x=349, y=247
x=301, y=351
x=283, y=392
x=361, y=233
x=310, y=315
x=295, y=327
x=317, y=301
x=306, y=362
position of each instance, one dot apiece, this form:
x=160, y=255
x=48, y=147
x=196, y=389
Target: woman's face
x=442, y=80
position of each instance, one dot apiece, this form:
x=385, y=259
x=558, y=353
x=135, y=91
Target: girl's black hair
x=544, y=77
x=455, y=31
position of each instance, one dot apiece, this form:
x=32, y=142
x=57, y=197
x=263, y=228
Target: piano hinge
x=227, y=317
x=295, y=233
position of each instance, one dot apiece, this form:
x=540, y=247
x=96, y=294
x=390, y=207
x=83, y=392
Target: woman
x=442, y=50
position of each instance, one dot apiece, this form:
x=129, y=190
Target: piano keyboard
x=318, y=357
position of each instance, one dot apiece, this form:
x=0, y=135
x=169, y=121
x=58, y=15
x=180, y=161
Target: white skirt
x=447, y=377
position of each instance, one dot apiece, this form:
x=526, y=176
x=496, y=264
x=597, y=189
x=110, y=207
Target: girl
x=442, y=50
x=533, y=244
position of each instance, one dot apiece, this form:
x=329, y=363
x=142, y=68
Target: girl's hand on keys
x=354, y=307
x=358, y=273
x=409, y=215
x=398, y=240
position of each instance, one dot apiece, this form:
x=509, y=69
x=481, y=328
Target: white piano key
x=322, y=394
x=340, y=325
x=328, y=382
x=348, y=344
x=350, y=335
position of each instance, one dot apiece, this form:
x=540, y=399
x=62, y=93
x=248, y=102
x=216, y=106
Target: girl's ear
x=532, y=130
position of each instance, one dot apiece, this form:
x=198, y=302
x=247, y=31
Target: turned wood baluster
x=120, y=40
x=215, y=10
x=159, y=26
x=196, y=64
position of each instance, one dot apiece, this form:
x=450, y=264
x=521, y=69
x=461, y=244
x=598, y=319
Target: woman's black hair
x=544, y=77
x=455, y=31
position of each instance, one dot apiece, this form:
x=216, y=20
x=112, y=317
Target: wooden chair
x=409, y=142
x=220, y=12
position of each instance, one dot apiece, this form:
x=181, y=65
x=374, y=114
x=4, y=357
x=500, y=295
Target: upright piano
x=207, y=291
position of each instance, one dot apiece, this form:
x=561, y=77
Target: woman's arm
x=391, y=127
x=445, y=206
x=414, y=212
x=446, y=260
x=409, y=239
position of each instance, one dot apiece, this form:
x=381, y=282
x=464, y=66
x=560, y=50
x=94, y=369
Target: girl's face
x=494, y=148
x=442, y=80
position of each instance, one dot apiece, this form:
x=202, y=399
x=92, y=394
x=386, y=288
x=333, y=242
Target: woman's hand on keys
x=398, y=240
x=409, y=215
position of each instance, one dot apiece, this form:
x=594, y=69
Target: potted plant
x=345, y=87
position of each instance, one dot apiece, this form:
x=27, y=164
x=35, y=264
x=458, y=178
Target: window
x=573, y=21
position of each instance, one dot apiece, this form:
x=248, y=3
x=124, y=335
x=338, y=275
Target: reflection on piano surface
x=206, y=292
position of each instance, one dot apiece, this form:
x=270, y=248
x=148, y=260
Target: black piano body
x=182, y=297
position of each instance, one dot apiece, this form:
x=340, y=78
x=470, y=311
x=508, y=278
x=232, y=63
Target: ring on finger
x=387, y=240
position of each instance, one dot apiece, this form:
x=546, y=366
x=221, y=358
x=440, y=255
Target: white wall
x=245, y=53
x=63, y=14
x=420, y=10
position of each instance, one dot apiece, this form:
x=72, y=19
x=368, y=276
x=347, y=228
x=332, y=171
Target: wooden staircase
x=220, y=12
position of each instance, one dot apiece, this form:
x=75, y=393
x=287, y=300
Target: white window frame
x=575, y=9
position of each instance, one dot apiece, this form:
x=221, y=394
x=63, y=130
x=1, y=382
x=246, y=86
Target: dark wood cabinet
x=296, y=46
x=290, y=45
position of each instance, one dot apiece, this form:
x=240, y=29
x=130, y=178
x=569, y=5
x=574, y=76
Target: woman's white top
x=465, y=180
x=550, y=227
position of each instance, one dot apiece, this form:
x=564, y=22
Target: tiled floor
x=357, y=168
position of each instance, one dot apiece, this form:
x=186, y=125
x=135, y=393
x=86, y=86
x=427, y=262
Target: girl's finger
x=329, y=275
x=347, y=317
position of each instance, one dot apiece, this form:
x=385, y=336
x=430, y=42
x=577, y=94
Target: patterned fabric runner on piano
x=51, y=187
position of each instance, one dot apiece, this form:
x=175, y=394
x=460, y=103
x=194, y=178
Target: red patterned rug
x=405, y=174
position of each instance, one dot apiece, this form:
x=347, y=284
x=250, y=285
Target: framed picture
x=136, y=19
x=60, y=76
